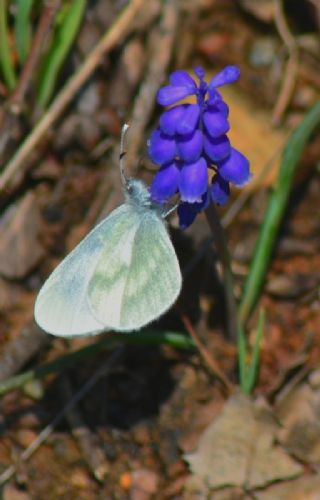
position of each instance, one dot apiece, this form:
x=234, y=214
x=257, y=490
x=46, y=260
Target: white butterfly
x=122, y=275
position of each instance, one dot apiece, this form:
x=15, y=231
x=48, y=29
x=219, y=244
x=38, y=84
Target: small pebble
x=262, y=52
x=144, y=484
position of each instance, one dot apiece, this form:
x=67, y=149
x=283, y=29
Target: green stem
x=5, y=56
x=23, y=28
x=148, y=337
x=63, y=39
x=220, y=241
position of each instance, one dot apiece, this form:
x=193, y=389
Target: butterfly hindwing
x=140, y=282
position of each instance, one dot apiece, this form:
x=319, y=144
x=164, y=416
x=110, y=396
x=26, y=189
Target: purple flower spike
x=223, y=108
x=193, y=181
x=215, y=122
x=189, y=147
x=181, y=78
x=220, y=190
x=165, y=182
x=229, y=74
x=162, y=148
x=235, y=168
x=171, y=94
x=200, y=72
x=217, y=149
x=189, y=121
x=187, y=212
x=192, y=139
x=181, y=86
x=170, y=119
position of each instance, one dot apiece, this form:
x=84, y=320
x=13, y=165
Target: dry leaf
x=238, y=448
x=303, y=488
x=299, y=415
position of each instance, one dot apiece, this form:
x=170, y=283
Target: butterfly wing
x=62, y=306
x=140, y=282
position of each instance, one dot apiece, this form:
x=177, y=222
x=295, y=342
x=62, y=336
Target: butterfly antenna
x=123, y=153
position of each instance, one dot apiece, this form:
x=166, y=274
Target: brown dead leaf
x=20, y=250
x=238, y=448
x=299, y=415
x=303, y=488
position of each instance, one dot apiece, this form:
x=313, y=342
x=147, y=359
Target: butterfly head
x=137, y=194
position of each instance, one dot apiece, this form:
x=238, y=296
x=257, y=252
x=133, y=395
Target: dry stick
x=161, y=43
x=92, y=452
x=101, y=371
x=117, y=31
x=208, y=358
x=291, y=71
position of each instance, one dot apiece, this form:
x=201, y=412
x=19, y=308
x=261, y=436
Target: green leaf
x=22, y=28
x=70, y=17
x=275, y=212
x=6, y=62
x=248, y=371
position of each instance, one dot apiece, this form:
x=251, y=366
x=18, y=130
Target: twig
x=220, y=242
x=291, y=71
x=208, y=358
x=161, y=43
x=113, y=35
x=101, y=371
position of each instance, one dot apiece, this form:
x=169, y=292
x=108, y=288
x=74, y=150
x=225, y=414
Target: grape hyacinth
x=190, y=139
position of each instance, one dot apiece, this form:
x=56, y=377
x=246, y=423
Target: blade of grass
x=62, y=41
x=248, y=371
x=146, y=337
x=22, y=28
x=275, y=211
x=242, y=358
x=252, y=369
x=6, y=62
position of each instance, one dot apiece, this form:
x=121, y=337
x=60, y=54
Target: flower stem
x=220, y=241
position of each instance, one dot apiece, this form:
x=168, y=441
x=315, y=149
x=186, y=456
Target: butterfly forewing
x=140, y=282
x=62, y=306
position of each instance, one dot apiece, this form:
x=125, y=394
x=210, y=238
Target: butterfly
x=123, y=275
